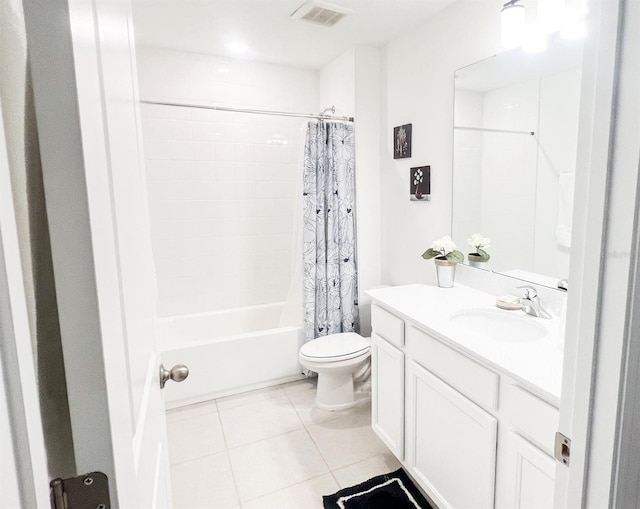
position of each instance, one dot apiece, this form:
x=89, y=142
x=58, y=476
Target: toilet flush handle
x=177, y=373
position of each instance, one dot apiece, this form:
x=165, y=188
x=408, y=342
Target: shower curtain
x=330, y=278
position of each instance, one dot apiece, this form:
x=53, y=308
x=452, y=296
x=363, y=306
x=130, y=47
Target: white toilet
x=336, y=358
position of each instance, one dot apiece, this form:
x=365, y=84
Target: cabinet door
x=451, y=443
x=529, y=476
x=387, y=394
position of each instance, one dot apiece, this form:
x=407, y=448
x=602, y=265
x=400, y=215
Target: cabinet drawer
x=387, y=325
x=531, y=416
x=473, y=380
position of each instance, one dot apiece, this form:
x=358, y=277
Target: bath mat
x=388, y=491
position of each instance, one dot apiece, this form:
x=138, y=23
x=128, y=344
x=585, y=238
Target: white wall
x=419, y=90
x=222, y=185
x=337, y=84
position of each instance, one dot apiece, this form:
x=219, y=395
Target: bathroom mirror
x=515, y=144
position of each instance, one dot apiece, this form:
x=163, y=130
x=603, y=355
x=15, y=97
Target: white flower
x=478, y=241
x=445, y=245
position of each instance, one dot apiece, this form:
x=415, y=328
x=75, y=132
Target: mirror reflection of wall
x=515, y=145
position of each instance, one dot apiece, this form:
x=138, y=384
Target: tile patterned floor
x=270, y=449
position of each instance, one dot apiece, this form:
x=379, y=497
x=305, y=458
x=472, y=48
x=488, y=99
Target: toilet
x=336, y=358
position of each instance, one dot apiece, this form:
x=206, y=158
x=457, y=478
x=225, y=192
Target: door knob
x=177, y=373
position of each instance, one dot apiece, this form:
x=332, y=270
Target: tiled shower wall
x=222, y=186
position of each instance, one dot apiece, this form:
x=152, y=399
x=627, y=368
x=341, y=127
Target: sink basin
x=499, y=325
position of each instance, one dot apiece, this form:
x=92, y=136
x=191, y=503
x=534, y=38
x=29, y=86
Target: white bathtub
x=228, y=352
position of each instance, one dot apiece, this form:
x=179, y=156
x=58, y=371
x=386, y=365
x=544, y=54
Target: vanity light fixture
x=552, y=15
x=512, y=22
x=575, y=27
x=534, y=39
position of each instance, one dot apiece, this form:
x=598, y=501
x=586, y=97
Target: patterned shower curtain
x=330, y=278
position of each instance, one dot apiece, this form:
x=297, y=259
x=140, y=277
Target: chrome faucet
x=531, y=303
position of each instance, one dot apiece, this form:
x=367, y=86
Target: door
x=451, y=443
x=23, y=474
x=601, y=337
x=83, y=65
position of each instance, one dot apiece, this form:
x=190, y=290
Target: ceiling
x=268, y=33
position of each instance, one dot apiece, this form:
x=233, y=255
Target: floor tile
x=304, y=385
x=276, y=463
x=260, y=420
x=366, y=469
x=204, y=483
x=187, y=412
x=348, y=439
x=303, y=399
x=247, y=398
x=195, y=437
x=306, y=495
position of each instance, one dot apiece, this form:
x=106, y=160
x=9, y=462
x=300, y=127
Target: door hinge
x=87, y=491
x=562, y=450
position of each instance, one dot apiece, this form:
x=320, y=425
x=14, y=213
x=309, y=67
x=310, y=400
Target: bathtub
x=228, y=352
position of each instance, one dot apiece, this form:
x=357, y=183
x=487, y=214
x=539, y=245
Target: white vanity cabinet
x=450, y=444
x=470, y=437
x=387, y=380
x=387, y=408
x=527, y=468
x=528, y=477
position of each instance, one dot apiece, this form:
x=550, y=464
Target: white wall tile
x=222, y=185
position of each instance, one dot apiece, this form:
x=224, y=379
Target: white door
x=83, y=64
x=599, y=332
x=23, y=474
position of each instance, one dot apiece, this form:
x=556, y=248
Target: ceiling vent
x=320, y=13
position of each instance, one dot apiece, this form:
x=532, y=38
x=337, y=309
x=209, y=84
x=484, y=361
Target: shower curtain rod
x=321, y=116
x=486, y=129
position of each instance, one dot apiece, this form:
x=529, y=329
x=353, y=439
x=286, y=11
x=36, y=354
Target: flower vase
x=446, y=272
x=476, y=261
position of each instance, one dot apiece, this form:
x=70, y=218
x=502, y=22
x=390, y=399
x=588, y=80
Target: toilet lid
x=335, y=345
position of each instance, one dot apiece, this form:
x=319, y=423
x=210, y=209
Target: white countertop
x=537, y=365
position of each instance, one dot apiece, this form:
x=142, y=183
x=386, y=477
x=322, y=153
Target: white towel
x=565, y=208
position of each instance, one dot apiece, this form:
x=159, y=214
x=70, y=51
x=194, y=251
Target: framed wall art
x=420, y=183
x=402, y=141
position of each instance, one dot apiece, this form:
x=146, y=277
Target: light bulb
x=512, y=20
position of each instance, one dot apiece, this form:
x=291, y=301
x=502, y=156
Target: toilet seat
x=335, y=347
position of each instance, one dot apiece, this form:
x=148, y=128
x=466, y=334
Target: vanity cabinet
x=529, y=476
x=469, y=436
x=387, y=383
x=451, y=442
x=387, y=379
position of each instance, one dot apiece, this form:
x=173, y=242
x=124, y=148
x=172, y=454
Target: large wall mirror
x=515, y=144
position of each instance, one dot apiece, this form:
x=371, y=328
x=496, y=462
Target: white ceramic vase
x=446, y=272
